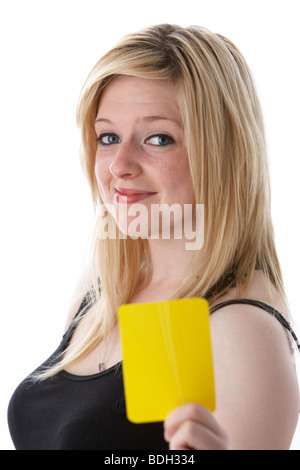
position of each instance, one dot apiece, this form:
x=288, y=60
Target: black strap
x=268, y=308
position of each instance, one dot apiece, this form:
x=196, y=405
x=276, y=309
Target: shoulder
x=249, y=325
x=260, y=288
x=239, y=317
x=255, y=376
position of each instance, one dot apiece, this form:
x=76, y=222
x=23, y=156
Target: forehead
x=134, y=93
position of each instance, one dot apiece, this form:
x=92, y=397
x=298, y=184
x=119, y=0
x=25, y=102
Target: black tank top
x=71, y=412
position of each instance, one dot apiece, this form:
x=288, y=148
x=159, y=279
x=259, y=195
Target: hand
x=193, y=427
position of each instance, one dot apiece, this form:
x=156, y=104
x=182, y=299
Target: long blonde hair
x=226, y=147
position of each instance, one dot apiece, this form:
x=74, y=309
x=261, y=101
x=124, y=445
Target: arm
x=257, y=392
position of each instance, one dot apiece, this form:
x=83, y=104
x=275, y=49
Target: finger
x=193, y=436
x=189, y=412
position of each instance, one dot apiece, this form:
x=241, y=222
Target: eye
x=160, y=140
x=108, y=139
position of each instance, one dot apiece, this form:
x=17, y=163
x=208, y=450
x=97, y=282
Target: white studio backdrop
x=47, y=49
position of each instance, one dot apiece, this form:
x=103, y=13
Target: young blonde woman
x=170, y=116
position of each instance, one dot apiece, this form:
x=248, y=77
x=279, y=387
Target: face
x=141, y=159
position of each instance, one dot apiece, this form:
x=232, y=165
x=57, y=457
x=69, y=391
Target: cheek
x=102, y=174
x=176, y=177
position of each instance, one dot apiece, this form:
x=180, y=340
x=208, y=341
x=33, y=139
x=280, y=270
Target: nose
x=125, y=162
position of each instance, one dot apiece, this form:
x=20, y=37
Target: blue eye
x=108, y=139
x=159, y=140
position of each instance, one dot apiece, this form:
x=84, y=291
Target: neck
x=170, y=261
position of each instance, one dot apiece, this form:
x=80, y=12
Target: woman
x=170, y=116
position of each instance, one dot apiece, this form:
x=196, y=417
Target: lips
x=131, y=195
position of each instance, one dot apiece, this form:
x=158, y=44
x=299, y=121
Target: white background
x=47, y=49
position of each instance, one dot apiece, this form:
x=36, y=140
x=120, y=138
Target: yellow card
x=167, y=357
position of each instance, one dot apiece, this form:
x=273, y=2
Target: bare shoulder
x=256, y=383
x=260, y=288
x=79, y=293
x=242, y=318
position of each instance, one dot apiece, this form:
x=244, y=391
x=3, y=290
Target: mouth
x=131, y=195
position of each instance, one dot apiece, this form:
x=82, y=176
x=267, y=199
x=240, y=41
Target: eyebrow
x=144, y=119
